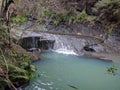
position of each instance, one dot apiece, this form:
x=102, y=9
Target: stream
x=65, y=67
x=57, y=71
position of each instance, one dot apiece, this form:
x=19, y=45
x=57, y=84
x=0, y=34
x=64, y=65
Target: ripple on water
x=67, y=72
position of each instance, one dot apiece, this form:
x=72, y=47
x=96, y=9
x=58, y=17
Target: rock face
x=58, y=6
x=36, y=43
x=33, y=56
x=78, y=44
x=87, y=5
x=74, y=37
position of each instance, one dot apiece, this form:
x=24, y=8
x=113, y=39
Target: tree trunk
x=4, y=11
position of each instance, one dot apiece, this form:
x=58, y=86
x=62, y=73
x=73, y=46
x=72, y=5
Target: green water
x=67, y=72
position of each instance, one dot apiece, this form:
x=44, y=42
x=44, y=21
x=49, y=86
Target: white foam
x=64, y=51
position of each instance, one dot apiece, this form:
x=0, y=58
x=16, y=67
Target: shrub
x=82, y=16
x=19, y=19
x=70, y=17
x=15, y=67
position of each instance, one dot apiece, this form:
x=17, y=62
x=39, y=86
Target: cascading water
x=67, y=72
x=67, y=44
x=34, y=42
x=62, y=45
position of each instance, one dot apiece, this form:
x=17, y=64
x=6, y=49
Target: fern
x=14, y=68
x=19, y=19
x=3, y=81
x=19, y=77
x=82, y=16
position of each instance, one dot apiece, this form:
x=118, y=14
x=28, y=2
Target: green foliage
x=107, y=3
x=82, y=16
x=15, y=67
x=3, y=82
x=3, y=34
x=41, y=20
x=70, y=17
x=43, y=3
x=19, y=19
x=3, y=30
x=20, y=69
x=55, y=17
x=110, y=10
x=110, y=14
x=18, y=73
x=112, y=70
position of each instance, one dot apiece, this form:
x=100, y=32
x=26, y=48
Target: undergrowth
x=69, y=18
x=15, y=67
x=19, y=19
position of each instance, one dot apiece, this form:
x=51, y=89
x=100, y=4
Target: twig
x=6, y=75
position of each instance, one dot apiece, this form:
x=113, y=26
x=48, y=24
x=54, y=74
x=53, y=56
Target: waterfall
x=63, y=43
x=34, y=43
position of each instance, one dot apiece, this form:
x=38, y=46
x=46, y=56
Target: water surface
x=68, y=72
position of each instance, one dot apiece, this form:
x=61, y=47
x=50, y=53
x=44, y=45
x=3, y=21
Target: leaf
x=16, y=69
x=112, y=69
x=19, y=77
x=32, y=67
x=3, y=80
x=74, y=87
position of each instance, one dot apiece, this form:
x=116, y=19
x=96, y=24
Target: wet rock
x=46, y=44
x=74, y=42
x=88, y=48
x=36, y=43
x=34, y=50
